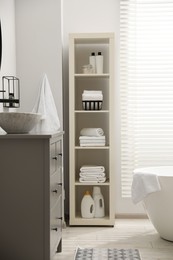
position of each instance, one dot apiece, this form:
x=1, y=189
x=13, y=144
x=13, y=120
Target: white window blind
x=146, y=80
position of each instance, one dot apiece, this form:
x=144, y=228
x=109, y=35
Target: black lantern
x=11, y=92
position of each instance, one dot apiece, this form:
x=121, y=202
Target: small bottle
x=92, y=61
x=99, y=63
x=87, y=206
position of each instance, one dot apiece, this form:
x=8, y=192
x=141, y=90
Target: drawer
x=56, y=178
x=56, y=210
x=55, y=236
x=53, y=163
x=55, y=189
x=56, y=224
x=55, y=157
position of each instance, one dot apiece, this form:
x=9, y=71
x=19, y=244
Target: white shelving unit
x=80, y=47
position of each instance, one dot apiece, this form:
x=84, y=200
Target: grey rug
x=106, y=253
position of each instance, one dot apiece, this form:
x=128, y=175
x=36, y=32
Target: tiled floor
x=127, y=233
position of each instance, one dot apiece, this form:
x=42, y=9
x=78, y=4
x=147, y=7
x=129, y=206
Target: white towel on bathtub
x=143, y=184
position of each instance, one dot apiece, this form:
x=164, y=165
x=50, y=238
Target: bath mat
x=106, y=254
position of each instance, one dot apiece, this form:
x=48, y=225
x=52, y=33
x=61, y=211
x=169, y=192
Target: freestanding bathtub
x=159, y=205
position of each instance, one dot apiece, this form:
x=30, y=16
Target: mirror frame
x=0, y=44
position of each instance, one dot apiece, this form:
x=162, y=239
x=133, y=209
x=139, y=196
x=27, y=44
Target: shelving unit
x=80, y=47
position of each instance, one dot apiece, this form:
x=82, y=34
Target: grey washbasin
x=18, y=122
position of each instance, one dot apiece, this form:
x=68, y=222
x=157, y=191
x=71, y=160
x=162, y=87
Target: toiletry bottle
x=87, y=206
x=92, y=61
x=99, y=63
x=99, y=202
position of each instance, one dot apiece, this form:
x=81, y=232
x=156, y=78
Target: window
x=146, y=79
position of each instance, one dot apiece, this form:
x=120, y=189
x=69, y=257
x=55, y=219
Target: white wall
x=39, y=49
x=7, y=16
x=96, y=16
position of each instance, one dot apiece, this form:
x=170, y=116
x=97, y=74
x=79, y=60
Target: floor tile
x=127, y=233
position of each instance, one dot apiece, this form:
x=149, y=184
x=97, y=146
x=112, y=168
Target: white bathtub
x=159, y=205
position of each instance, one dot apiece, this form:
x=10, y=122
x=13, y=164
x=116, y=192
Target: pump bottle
x=99, y=63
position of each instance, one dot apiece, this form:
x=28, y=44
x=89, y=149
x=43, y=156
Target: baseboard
x=131, y=216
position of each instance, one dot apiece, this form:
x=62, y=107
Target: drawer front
x=56, y=224
x=56, y=157
x=56, y=210
x=55, y=188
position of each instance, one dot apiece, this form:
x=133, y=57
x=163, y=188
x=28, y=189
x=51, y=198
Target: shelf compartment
x=79, y=193
x=84, y=50
x=91, y=120
x=91, y=83
x=91, y=157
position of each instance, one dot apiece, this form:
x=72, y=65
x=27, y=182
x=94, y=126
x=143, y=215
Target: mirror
x=0, y=44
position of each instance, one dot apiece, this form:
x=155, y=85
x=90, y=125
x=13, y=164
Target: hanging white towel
x=45, y=106
x=143, y=184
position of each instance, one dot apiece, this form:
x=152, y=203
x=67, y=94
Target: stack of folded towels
x=90, y=96
x=92, y=137
x=92, y=173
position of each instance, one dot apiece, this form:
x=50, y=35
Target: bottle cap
x=99, y=53
x=87, y=192
x=93, y=54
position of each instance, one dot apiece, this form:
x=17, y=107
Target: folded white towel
x=92, y=92
x=96, y=97
x=92, y=132
x=91, y=141
x=92, y=179
x=102, y=138
x=92, y=174
x=93, y=168
x=92, y=144
x=143, y=184
x=92, y=95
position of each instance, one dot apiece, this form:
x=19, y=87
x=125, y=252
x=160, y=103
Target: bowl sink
x=18, y=122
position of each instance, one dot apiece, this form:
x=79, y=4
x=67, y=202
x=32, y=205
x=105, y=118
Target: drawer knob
x=54, y=229
x=55, y=158
x=55, y=191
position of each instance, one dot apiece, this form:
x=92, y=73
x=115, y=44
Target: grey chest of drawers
x=31, y=196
